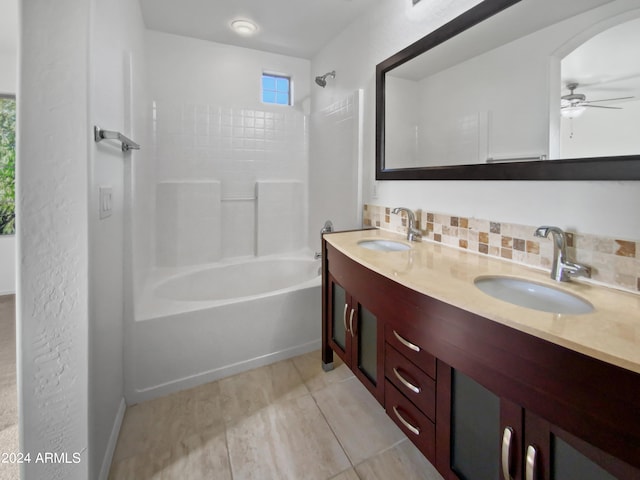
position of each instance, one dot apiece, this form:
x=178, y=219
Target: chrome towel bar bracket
x=127, y=143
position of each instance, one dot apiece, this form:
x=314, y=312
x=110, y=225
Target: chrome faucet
x=562, y=269
x=413, y=234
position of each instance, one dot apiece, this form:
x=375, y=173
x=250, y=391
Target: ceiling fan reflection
x=574, y=104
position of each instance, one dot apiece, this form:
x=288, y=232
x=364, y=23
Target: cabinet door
x=368, y=343
x=475, y=429
x=356, y=336
x=553, y=454
x=339, y=338
x=478, y=433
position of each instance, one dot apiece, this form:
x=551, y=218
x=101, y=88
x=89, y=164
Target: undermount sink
x=384, y=245
x=533, y=295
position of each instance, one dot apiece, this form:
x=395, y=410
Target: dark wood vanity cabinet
x=485, y=437
x=480, y=399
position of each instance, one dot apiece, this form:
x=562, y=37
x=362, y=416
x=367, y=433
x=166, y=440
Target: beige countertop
x=610, y=333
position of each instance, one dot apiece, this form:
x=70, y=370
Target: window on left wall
x=7, y=164
x=276, y=89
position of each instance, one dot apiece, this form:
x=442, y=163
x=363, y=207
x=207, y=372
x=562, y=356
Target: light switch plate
x=106, y=200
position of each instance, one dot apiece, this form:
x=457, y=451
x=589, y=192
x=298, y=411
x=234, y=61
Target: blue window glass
x=268, y=83
x=282, y=84
x=276, y=89
x=268, y=97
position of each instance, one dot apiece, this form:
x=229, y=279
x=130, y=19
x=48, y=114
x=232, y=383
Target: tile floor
x=8, y=387
x=289, y=420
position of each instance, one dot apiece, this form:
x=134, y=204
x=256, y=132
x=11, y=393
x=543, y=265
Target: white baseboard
x=184, y=383
x=113, y=440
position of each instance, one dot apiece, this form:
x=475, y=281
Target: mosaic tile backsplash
x=614, y=262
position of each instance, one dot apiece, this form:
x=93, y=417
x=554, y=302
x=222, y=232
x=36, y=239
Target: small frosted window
x=276, y=89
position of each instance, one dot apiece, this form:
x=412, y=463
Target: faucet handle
x=414, y=235
x=545, y=230
x=577, y=269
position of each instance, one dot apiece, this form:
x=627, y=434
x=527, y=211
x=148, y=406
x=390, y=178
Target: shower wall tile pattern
x=614, y=262
x=237, y=147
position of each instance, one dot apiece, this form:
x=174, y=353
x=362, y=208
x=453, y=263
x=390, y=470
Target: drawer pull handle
x=351, y=321
x=412, y=429
x=344, y=318
x=406, y=382
x=406, y=343
x=507, y=453
x=531, y=467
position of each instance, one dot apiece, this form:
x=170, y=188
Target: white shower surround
x=198, y=324
x=209, y=125
x=231, y=188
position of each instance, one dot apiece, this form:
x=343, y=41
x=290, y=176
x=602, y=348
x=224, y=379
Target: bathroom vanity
x=484, y=388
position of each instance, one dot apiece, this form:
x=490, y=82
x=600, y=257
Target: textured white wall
x=116, y=72
x=589, y=207
x=70, y=288
x=53, y=290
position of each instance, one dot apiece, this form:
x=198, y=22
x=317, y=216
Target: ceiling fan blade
x=608, y=99
x=600, y=106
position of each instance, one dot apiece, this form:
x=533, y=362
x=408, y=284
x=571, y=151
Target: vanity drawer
x=416, y=385
x=420, y=430
x=401, y=339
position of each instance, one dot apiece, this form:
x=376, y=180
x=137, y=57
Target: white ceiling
x=607, y=65
x=8, y=26
x=298, y=28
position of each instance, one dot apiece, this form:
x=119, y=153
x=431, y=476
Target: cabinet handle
x=406, y=382
x=412, y=429
x=406, y=343
x=507, y=453
x=531, y=467
x=351, y=321
x=344, y=317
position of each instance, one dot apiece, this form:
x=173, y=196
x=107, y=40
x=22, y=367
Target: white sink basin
x=384, y=245
x=533, y=295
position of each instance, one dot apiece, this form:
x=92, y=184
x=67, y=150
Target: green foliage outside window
x=7, y=165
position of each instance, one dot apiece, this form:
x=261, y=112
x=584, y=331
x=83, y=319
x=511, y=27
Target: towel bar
x=127, y=143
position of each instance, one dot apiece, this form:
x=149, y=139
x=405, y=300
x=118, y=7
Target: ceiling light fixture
x=572, y=111
x=244, y=27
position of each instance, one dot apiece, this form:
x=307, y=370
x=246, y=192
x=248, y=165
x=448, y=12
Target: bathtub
x=200, y=324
